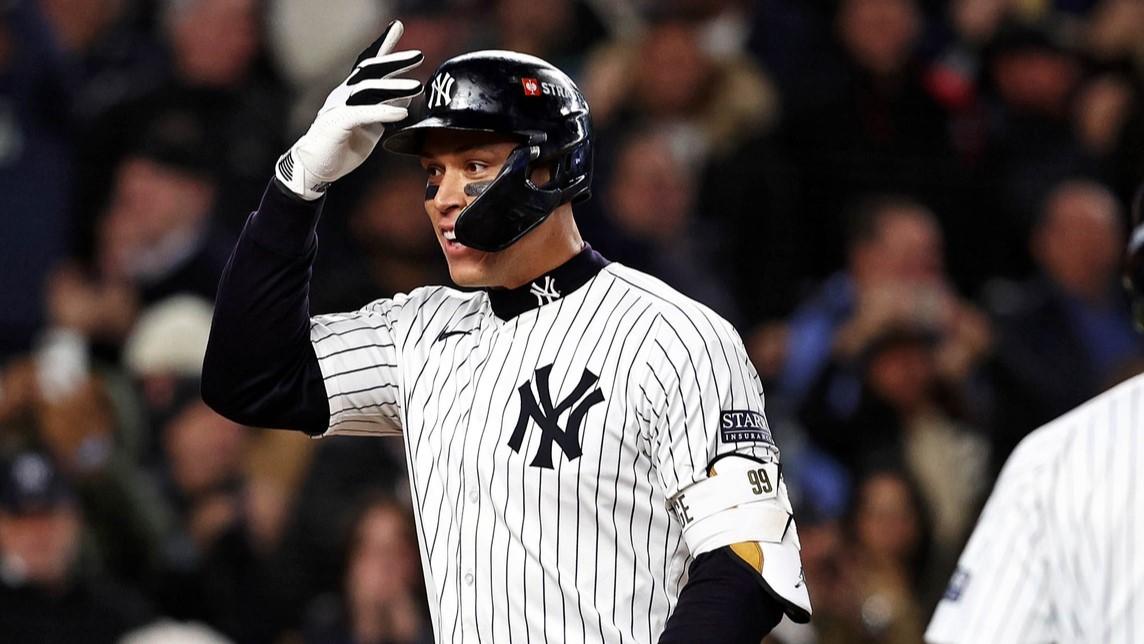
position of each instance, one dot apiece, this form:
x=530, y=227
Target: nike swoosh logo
x=444, y=334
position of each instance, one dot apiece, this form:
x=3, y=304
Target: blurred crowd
x=913, y=210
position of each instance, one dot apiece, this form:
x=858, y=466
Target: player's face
x=44, y=544
x=453, y=159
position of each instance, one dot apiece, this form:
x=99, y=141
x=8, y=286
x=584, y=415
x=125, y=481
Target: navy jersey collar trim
x=508, y=303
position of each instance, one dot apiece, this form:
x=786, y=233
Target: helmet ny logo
x=441, y=91
x=547, y=416
x=546, y=294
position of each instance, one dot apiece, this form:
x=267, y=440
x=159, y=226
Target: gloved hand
x=352, y=120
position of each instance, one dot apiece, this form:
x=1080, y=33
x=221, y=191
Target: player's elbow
x=223, y=380
x=218, y=393
x=225, y=399
x=221, y=387
x=282, y=398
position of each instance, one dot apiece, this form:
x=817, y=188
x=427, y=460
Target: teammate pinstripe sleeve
x=1055, y=555
x=996, y=593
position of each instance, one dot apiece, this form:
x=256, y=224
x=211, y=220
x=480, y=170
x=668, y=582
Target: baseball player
x=587, y=451
x=1056, y=556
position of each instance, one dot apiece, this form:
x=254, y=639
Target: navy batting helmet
x=519, y=95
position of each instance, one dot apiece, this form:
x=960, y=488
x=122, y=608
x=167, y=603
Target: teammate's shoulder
x=676, y=309
x=1098, y=421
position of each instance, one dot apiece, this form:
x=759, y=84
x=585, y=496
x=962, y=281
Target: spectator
x=218, y=78
x=824, y=547
x=156, y=238
x=1109, y=126
x=84, y=416
x=666, y=80
x=723, y=25
x=215, y=572
x=1032, y=145
x=344, y=470
x=889, y=551
x=391, y=249
x=559, y=31
x=36, y=170
x=313, y=45
x=906, y=413
x=649, y=206
x=443, y=29
x=110, y=59
x=47, y=596
x=895, y=273
x=171, y=632
x=383, y=596
x=1112, y=31
x=164, y=357
x=862, y=121
x=156, y=234
x=1066, y=334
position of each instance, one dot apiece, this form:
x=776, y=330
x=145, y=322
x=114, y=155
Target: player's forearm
x=260, y=367
x=721, y=602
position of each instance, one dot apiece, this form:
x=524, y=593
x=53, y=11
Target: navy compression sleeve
x=723, y=602
x=260, y=367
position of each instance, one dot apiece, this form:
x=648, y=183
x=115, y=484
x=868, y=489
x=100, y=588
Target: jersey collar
x=508, y=303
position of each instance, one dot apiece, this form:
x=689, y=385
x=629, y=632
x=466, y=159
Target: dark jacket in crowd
x=92, y=612
x=1053, y=353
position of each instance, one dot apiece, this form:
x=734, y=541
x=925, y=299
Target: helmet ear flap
x=578, y=172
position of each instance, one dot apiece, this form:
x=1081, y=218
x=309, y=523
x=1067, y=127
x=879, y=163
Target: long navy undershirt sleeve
x=722, y=603
x=260, y=368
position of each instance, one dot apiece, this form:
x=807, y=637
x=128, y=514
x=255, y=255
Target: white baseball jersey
x=1058, y=553
x=545, y=429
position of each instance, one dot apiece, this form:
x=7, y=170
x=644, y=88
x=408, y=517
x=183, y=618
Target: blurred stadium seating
x=912, y=210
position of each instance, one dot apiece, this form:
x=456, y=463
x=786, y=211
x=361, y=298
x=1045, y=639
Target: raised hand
x=353, y=118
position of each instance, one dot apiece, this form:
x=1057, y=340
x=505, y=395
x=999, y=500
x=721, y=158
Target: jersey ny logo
x=546, y=294
x=546, y=416
x=441, y=91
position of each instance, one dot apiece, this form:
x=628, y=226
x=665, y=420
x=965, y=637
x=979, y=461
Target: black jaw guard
x=512, y=205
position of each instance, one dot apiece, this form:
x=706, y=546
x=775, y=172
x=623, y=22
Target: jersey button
x=473, y=496
x=469, y=578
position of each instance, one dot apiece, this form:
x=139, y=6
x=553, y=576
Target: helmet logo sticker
x=441, y=91
x=531, y=86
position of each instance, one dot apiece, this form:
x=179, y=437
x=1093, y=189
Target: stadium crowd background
x=913, y=210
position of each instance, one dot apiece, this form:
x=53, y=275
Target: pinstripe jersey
x=545, y=428
x=1057, y=553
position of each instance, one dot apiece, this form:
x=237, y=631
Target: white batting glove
x=352, y=120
